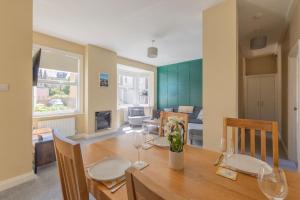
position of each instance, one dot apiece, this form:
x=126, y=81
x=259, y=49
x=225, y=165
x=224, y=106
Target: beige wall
x=57, y=43
x=220, y=71
x=241, y=84
x=15, y=105
x=100, y=98
x=291, y=37
x=261, y=65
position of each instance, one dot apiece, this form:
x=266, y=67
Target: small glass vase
x=176, y=160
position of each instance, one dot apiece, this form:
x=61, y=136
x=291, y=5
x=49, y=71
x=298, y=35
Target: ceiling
x=128, y=26
x=262, y=17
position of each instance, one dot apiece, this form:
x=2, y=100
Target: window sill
x=58, y=115
x=125, y=107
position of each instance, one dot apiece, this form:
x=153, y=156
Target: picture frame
x=103, y=79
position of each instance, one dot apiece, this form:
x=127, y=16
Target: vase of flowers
x=174, y=129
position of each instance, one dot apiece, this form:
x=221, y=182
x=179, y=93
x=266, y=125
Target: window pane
x=56, y=92
x=133, y=87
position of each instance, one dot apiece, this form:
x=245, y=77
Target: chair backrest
x=253, y=126
x=136, y=111
x=164, y=119
x=140, y=187
x=70, y=168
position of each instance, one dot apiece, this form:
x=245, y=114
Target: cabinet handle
x=262, y=103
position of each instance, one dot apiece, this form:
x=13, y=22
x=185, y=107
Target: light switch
x=4, y=87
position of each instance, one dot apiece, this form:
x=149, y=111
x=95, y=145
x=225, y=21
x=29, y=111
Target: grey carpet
x=46, y=186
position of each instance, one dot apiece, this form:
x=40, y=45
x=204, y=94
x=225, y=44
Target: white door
x=267, y=98
x=292, y=108
x=252, y=105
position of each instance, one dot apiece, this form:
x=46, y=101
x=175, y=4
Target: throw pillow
x=186, y=109
x=200, y=115
x=168, y=109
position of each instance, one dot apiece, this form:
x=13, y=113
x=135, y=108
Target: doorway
x=293, y=104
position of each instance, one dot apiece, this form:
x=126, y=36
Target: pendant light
x=152, y=51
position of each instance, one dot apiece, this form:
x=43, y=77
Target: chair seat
x=137, y=120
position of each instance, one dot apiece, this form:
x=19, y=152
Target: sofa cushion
x=195, y=121
x=186, y=109
x=196, y=112
x=168, y=109
x=200, y=115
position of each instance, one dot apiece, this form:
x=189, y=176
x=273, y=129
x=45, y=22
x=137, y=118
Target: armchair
x=136, y=116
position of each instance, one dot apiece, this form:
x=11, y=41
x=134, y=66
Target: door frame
x=295, y=54
x=260, y=76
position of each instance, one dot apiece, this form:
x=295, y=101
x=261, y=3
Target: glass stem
x=139, y=155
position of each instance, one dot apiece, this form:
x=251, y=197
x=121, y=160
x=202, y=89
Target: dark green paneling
x=183, y=84
x=172, y=85
x=180, y=84
x=162, y=79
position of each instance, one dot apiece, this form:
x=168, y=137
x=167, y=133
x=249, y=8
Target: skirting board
x=12, y=182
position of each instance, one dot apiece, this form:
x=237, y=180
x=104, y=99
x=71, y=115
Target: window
x=58, y=87
x=133, y=87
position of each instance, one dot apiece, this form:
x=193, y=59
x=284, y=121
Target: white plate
x=161, y=142
x=246, y=164
x=109, y=169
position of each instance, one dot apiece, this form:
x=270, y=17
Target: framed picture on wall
x=103, y=79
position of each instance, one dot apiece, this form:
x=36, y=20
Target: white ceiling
x=128, y=26
x=262, y=17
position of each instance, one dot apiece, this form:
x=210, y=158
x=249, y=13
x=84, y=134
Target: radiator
x=65, y=126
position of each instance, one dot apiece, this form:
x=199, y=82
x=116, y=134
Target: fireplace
x=102, y=120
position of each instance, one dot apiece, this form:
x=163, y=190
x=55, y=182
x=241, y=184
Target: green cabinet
x=180, y=84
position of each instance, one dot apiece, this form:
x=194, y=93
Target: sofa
x=195, y=122
x=193, y=116
x=136, y=116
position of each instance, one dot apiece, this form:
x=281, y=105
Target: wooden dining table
x=198, y=180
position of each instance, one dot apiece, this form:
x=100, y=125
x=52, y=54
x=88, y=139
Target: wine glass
x=227, y=152
x=230, y=148
x=146, y=132
x=272, y=183
x=138, y=140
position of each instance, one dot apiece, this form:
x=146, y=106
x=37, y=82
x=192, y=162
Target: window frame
x=126, y=70
x=79, y=101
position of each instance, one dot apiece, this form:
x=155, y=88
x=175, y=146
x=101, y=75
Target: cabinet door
x=267, y=98
x=253, y=96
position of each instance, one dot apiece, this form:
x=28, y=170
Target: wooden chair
x=164, y=118
x=253, y=125
x=70, y=168
x=140, y=187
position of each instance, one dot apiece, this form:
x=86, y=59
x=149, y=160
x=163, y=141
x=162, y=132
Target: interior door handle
x=295, y=108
